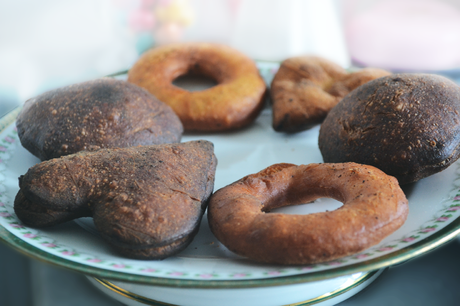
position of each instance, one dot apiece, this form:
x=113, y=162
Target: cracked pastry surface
x=306, y=88
x=407, y=125
x=146, y=201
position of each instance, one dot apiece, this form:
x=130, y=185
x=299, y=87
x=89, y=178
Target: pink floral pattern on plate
x=9, y=139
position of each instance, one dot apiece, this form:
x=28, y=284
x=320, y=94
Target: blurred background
x=51, y=43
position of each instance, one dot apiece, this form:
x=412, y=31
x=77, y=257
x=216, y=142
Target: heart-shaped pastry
x=306, y=88
x=146, y=201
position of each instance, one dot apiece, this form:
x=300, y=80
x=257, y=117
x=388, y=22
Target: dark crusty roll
x=146, y=201
x=103, y=113
x=408, y=125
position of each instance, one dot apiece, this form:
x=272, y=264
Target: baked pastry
x=407, y=125
x=233, y=103
x=103, y=113
x=374, y=206
x=306, y=88
x=146, y=201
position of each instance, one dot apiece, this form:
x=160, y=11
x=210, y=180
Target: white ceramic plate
x=433, y=219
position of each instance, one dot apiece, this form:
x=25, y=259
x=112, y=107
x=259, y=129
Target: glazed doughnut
x=374, y=206
x=306, y=88
x=234, y=102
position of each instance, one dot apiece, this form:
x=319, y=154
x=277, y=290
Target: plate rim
x=368, y=276
x=423, y=246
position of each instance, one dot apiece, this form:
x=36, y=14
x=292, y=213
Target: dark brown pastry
x=233, y=103
x=374, y=206
x=306, y=88
x=146, y=201
x=103, y=113
x=407, y=125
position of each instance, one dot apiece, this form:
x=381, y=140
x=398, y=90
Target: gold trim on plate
x=324, y=297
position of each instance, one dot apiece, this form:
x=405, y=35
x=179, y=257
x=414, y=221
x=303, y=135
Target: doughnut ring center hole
x=194, y=82
x=318, y=205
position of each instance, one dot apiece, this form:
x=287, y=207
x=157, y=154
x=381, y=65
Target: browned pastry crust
x=374, y=206
x=234, y=102
x=306, y=88
x=146, y=201
x=103, y=113
x=407, y=125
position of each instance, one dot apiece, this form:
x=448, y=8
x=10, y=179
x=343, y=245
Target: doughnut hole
x=194, y=82
x=317, y=206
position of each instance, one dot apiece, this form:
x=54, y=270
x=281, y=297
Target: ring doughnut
x=374, y=206
x=234, y=102
x=306, y=88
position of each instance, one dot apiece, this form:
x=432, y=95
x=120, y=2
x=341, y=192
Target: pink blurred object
x=141, y=20
x=404, y=34
x=168, y=32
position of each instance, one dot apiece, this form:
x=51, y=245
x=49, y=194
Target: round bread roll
x=102, y=113
x=407, y=125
